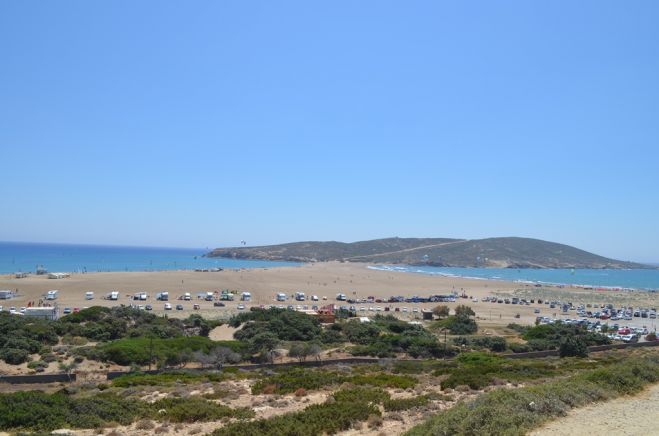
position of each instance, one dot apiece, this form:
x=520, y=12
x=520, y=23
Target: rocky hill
x=508, y=252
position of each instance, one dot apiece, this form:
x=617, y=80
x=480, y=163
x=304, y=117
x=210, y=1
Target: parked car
x=168, y=306
x=148, y=307
x=66, y=310
x=179, y=307
x=241, y=307
x=219, y=304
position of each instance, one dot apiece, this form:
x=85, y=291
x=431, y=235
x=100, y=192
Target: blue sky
x=204, y=123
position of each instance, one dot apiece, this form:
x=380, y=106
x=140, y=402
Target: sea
x=638, y=279
x=27, y=257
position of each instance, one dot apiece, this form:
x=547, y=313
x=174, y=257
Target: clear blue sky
x=204, y=123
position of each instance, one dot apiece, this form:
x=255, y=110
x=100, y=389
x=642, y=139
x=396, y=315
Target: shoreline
x=393, y=268
x=615, y=288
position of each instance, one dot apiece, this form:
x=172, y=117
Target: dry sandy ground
x=637, y=415
x=322, y=279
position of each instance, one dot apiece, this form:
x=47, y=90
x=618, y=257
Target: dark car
x=219, y=304
x=179, y=307
x=149, y=307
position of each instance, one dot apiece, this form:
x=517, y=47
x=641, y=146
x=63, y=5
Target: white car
x=362, y=309
x=404, y=309
x=241, y=307
x=416, y=309
x=168, y=306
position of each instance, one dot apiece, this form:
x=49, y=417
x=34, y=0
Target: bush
x=327, y=418
x=14, y=356
x=405, y=403
x=385, y=380
x=573, y=346
x=457, y=325
x=519, y=348
x=516, y=411
x=194, y=409
x=290, y=380
x=286, y=325
x=141, y=350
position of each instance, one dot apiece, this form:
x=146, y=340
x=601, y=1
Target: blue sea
x=27, y=257
x=642, y=279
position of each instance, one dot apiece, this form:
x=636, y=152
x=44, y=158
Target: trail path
x=461, y=241
x=637, y=415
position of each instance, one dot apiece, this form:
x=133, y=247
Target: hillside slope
x=508, y=252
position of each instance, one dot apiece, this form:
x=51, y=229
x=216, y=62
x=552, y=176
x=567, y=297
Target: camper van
x=299, y=296
x=187, y=296
x=245, y=296
x=209, y=296
x=341, y=297
x=140, y=296
x=113, y=295
x=162, y=296
x=89, y=295
x=51, y=295
x=281, y=297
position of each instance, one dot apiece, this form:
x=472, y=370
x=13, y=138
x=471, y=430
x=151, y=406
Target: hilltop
x=509, y=252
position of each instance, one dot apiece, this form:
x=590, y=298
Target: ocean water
x=26, y=257
x=642, y=279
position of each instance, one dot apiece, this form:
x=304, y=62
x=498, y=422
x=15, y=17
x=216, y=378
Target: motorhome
x=299, y=296
x=58, y=275
x=89, y=295
x=162, y=296
x=52, y=295
x=6, y=294
x=245, y=296
x=341, y=297
x=112, y=295
x=187, y=296
x=140, y=296
x=209, y=296
x=281, y=297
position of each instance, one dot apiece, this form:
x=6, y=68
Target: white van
x=89, y=295
x=51, y=295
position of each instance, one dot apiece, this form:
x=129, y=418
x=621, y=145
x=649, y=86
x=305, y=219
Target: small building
x=20, y=275
x=427, y=314
x=49, y=313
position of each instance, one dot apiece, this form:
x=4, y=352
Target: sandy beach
x=356, y=280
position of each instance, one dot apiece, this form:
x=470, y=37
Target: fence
x=593, y=349
x=37, y=378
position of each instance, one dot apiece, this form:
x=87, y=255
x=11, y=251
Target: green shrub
x=194, y=409
x=573, y=346
x=457, y=325
x=519, y=348
x=385, y=380
x=35, y=410
x=141, y=350
x=327, y=418
x=14, y=356
x=397, y=405
x=516, y=411
x=361, y=394
x=290, y=380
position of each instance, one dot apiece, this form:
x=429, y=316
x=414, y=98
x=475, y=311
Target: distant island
x=509, y=252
